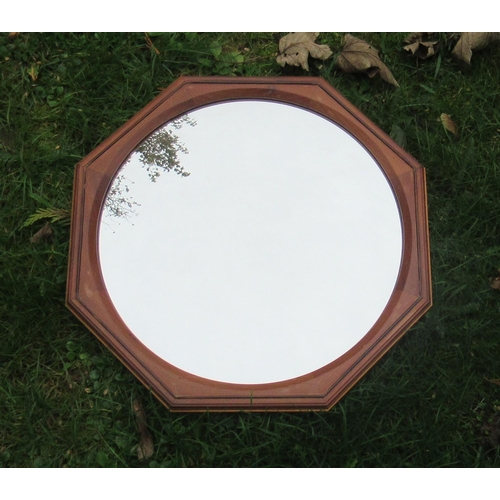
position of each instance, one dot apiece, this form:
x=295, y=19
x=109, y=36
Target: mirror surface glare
x=250, y=242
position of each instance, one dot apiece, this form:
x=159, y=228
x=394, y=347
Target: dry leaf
x=495, y=282
x=295, y=49
x=145, y=449
x=13, y=34
x=421, y=45
x=472, y=41
x=43, y=234
x=495, y=381
x=448, y=124
x=359, y=56
x=33, y=72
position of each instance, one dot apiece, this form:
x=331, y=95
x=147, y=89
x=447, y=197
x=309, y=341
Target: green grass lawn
x=65, y=401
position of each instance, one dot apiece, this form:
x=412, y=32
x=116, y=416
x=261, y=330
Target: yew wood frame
x=88, y=299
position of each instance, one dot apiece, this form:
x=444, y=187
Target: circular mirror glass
x=250, y=242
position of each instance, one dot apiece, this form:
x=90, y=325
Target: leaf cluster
x=358, y=56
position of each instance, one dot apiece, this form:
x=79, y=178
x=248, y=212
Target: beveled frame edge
x=235, y=396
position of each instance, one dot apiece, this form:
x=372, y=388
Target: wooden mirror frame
x=88, y=298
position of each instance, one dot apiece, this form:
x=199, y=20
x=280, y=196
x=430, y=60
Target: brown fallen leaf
x=495, y=381
x=33, y=72
x=295, y=49
x=145, y=449
x=472, y=41
x=448, y=124
x=495, y=282
x=421, y=45
x=357, y=56
x=45, y=233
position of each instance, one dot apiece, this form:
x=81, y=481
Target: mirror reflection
x=250, y=242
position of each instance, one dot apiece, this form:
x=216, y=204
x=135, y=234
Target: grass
x=65, y=401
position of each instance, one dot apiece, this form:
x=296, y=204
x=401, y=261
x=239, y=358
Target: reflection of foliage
x=159, y=151
x=117, y=202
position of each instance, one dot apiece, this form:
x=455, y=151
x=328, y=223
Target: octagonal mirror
x=249, y=243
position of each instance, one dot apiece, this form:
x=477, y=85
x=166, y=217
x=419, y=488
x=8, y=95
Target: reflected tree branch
x=118, y=203
x=158, y=153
